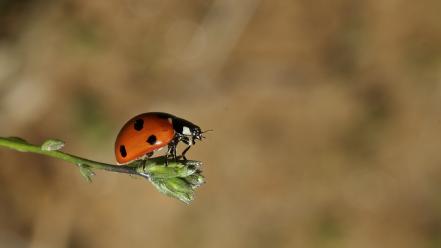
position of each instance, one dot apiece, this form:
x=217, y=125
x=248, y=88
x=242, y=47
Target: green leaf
x=52, y=145
x=171, y=171
x=195, y=180
x=178, y=179
x=180, y=168
x=86, y=172
x=175, y=187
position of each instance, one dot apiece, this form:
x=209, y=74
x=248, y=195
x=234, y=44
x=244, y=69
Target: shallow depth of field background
x=327, y=119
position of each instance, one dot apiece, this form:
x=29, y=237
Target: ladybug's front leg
x=184, y=152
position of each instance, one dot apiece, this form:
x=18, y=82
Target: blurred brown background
x=326, y=117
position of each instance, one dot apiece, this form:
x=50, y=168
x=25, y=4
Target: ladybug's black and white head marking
x=187, y=131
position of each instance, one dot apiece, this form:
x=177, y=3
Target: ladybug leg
x=144, y=165
x=174, y=153
x=149, y=155
x=170, y=151
x=184, y=152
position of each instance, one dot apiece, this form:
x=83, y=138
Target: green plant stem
x=26, y=147
x=179, y=179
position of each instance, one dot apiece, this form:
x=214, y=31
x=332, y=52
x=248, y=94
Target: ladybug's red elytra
x=146, y=133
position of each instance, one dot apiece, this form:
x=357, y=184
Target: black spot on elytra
x=122, y=150
x=151, y=139
x=139, y=124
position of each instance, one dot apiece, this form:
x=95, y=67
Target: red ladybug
x=146, y=133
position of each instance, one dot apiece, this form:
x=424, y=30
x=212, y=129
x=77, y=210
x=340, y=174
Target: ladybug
x=146, y=133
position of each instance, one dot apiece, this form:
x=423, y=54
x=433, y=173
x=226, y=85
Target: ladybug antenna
x=209, y=130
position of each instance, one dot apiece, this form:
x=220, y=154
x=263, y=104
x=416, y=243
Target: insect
x=146, y=133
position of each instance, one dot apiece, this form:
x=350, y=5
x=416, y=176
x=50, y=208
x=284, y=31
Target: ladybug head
x=187, y=131
x=196, y=134
x=191, y=133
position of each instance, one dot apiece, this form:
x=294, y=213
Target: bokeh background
x=326, y=117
